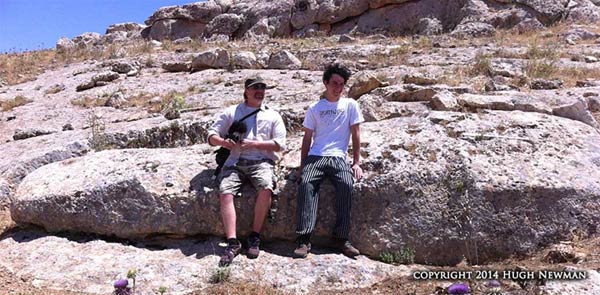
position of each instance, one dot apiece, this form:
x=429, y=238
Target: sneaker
x=346, y=247
x=302, y=250
x=253, y=245
x=234, y=247
x=303, y=246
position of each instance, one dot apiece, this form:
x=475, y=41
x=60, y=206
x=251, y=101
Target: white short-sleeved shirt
x=330, y=123
x=266, y=125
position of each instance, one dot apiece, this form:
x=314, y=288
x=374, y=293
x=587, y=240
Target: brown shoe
x=346, y=247
x=234, y=247
x=253, y=245
x=302, y=250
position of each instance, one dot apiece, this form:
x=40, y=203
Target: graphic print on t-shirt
x=332, y=115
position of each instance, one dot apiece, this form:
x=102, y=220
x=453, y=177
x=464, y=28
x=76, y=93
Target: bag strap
x=247, y=116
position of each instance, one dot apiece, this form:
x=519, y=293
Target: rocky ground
x=475, y=150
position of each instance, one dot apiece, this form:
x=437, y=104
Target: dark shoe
x=346, y=247
x=234, y=247
x=302, y=250
x=253, y=245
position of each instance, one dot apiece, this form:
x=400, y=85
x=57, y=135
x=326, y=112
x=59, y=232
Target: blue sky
x=36, y=24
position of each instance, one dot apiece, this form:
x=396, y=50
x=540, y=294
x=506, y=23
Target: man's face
x=335, y=86
x=256, y=93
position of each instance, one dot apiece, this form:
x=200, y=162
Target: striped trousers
x=317, y=168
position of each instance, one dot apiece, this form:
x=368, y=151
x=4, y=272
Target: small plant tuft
x=405, y=256
x=17, y=101
x=220, y=275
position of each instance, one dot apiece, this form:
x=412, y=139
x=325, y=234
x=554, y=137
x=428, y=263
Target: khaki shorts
x=261, y=176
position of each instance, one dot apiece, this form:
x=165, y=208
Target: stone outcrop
x=307, y=18
x=444, y=199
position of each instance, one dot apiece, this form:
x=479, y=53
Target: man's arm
x=355, y=131
x=306, y=143
x=277, y=142
x=217, y=140
x=268, y=145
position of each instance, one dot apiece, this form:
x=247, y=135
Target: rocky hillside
x=481, y=140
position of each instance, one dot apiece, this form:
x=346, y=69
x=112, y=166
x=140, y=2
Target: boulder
x=201, y=12
x=116, y=37
x=173, y=29
x=505, y=101
x=107, y=76
x=473, y=29
x=578, y=111
x=284, y=59
x=363, y=83
x=430, y=187
x=216, y=59
x=65, y=45
x=86, y=40
x=224, y=24
x=546, y=84
x=125, y=27
x=126, y=67
x=32, y=132
x=550, y=11
x=245, y=60
x=177, y=66
x=444, y=101
x=529, y=25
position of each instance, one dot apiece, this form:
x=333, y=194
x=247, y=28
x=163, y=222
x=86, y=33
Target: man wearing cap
x=252, y=159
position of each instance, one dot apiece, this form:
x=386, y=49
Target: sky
x=38, y=24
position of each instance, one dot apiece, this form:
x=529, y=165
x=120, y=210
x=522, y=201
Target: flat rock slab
x=90, y=265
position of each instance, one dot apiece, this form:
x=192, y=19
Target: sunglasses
x=259, y=86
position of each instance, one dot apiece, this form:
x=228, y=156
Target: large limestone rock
x=202, y=12
x=86, y=40
x=284, y=60
x=64, y=45
x=445, y=184
x=125, y=27
x=224, y=24
x=216, y=58
x=304, y=18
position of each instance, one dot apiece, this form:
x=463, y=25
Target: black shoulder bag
x=236, y=132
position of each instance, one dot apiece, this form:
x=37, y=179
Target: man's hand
x=248, y=144
x=228, y=144
x=357, y=171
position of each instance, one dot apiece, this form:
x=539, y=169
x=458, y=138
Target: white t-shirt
x=330, y=123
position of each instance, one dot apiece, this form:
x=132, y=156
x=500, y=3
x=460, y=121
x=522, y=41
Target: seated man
x=328, y=125
x=252, y=159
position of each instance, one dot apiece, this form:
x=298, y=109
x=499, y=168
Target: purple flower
x=458, y=288
x=493, y=284
x=120, y=284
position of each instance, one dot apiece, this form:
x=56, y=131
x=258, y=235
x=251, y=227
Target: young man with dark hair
x=328, y=126
x=251, y=159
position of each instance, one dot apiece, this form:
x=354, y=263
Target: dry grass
x=21, y=67
x=89, y=101
x=242, y=289
x=570, y=75
x=17, y=101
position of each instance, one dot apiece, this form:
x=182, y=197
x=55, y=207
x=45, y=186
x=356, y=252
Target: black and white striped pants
x=317, y=168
